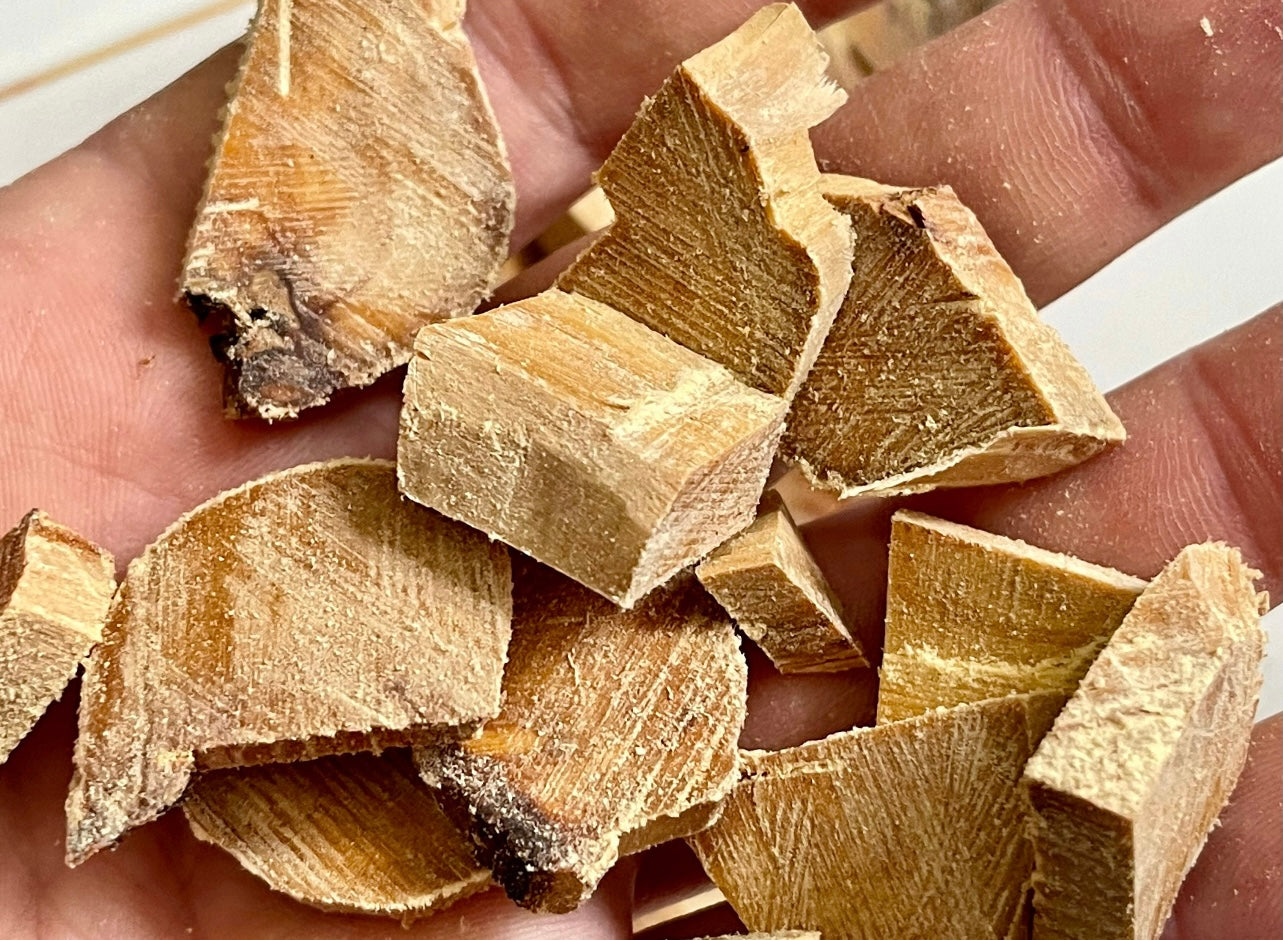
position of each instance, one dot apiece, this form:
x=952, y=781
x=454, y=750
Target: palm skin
x=1074, y=129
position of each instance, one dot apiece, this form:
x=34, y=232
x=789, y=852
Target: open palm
x=1086, y=123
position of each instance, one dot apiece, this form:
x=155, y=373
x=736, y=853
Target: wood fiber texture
x=773, y=935
x=938, y=370
x=358, y=832
x=767, y=580
x=583, y=439
x=1141, y=761
x=618, y=731
x=359, y=189
x=310, y=612
x=722, y=239
x=55, y=588
x=913, y=829
x=972, y=615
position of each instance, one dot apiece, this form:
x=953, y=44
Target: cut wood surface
x=913, y=829
x=584, y=439
x=618, y=731
x=972, y=615
x=353, y=833
x=310, y=612
x=767, y=580
x=773, y=935
x=1135, y=771
x=358, y=190
x=938, y=370
x=55, y=587
x=722, y=239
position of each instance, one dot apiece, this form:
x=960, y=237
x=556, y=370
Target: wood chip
x=767, y=580
x=773, y=935
x=972, y=615
x=585, y=440
x=1136, y=769
x=55, y=587
x=358, y=190
x=311, y=612
x=618, y=732
x=354, y=833
x=722, y=239
x=913, y=829
x=938, y=370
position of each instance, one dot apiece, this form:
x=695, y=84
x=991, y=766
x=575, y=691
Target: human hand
x=1073, y=130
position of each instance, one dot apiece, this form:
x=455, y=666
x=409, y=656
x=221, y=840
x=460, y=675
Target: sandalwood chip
x=722, y=239
x=972, y=615
x=359, y=189
x=767, y=580
x=938, y=370
x=585, y=440
x=618, y=731
x=913, y=829
x=354, y=833
x=54, y=591
x=1141, y=761
x=310, y=612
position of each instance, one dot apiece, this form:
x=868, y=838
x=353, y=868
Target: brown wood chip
x=1131, y=778
x=913, y=829
x=313, y=611
x=358, y=190
x=585, y=440
x=938, y=370
x=722, y=239
x=773, y=935
x=618, y=731
x=55, y=588
x=353, y=833
x=767, y=580
x=972, y=615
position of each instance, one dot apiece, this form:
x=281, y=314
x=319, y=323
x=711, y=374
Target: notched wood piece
x=359, y=189
x=722, y=239
x=618, y=731
x=773, y=935
x=767, y=580
x=938, y=370
x=358, y=833
x=1131, y=778
x=55, y=587
x=310, y=612
x=913, y=829
x=584, y=439
x=972, y=615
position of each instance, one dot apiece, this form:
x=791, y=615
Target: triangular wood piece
x=914, y=829
x=938, y=370
x=618, y=732
x=767, y=580
x=355, y=833
x=55, y=587
x=722, y=239
x=359, y=189
x=310, y=612
x=972, y=615
x=583, y=439
x=1138, y=766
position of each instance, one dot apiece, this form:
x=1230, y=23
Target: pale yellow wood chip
x=310, y=612
x=938, y=370
x=913, y=829
x=618, y=731
x=722, y=239
x=584, y=439
x=355, y=833
x=767, y=580
x=773, y=935
x=358, y=190
x=55, y=587
x=1131, y=778
x=972, y=615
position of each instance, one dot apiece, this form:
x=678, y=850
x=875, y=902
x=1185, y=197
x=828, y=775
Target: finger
x=1075, y=128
